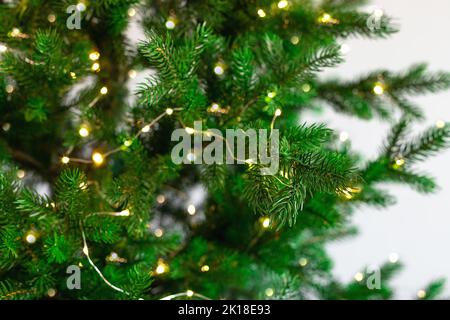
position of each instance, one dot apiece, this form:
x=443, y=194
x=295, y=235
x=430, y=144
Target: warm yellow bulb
x=95, y=67
x=84, y=131
x=400, y=162
x=261, y=13
x=159, y=233
x=421, y=294
x=343, y=136
x=97, y=158
x=170, y=24
x=191, y=209
x=269, y=292
x=272, y=94
x=104, y=90
x=204, y=268
x=218, y=69
x=161, y=267
x=189, y=293
x=65, y=160
x=295, y=40
x=131, y=12
x=3, y=48
x=51, y=18
x=282, y=4
x=160, y=199
x=359, y=277
x=189, y=130
x=31, y=237
x=94, y=56
x=9, y=88
x=132, y=74
x=127, y=143
x=440, y=124
x=21, y=174
x=145, y=129
x=303, y=262
x=265, y=222
x=124, y=213
x=169, y=111
x=15, y=32
x=378, y=89
x=278, y=112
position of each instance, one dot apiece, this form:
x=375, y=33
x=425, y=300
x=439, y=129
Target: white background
x=418, y=227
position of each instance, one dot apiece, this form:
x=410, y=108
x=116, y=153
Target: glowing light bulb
x=306, y=88
x=421, y=294
x=124, y=213
x=400, y=162
x=215, y=107
x=161, y=267
x=269, y=292
x=378, y=88
x=303, y=262
x=440, y=124
x=3, y=48
x=265, y=222
x=160, y=199
x=295, y=40
x=131, y=12
x=73, y=75
x=169, y=111
x=261, y=13
x=15, y=32
x=97, y=158
x=31, y=237
x=95, y=67
x=145, y=129
x=189, y=130
x=81, y=6
x=94, y=56
x=343, y=136
x=51, y=18
x=132, y=74
x=359, y=277
x=9, y=88
x=170, y=24
x=345, y=48
x=104, y=90
x=272, y=94
x=191, y=209
x=218, y=69
x=393, y=257
x=51, y=292
x=83, y=131
x=189, y=293
x=127, y=143
x=204, y=268
x=6, y=126
x=283, y=4
x=378, y=12
x=65, y=160
x=159, y=233
x=20, y=174
x=278, y=112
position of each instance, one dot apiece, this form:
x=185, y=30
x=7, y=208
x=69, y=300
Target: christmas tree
x=99, y=199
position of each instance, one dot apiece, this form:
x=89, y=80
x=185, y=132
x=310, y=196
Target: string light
x=378, y=12
x=104, y=90
x=345, y=48
x=127, y=143
x=81, y=6
x=145, y=129
x=215, y=107
x=31, y=237
x=169, y=111
x=170, y=24
x=326, y=18
x=189, y=130
x=261, y=13
x=21, y=174
x=73, y=75
x=132, y=74
x=272, y=94
x=94, y=56
x=123, y=213
x=162, y=267
x=3, y=48
x=359, y=277
x=393, y=257
x=421, y=294
x=51, y=18
x=95, y=67
x=83, y=186
x=265, y=222
x=97, y=158
x=277, y=112
x=283, y=4
x=219, y=69
x=131, y=12
x=160, y=199
x=378, y=88
x=191, y=209
x=189, y=293
x=65, y=160
x=343, y=136
x=83, y=131
x=51, y=293
x=269, y=292
x=303, y=262
x=15, y=32
x=440, y=124
x=9, y=88
x=295, y=40
x=204, y=268
x=159, y=232
x=6, y=126
x=399, y=162
x=306, y=87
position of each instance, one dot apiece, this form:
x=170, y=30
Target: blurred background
x=418, y=227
